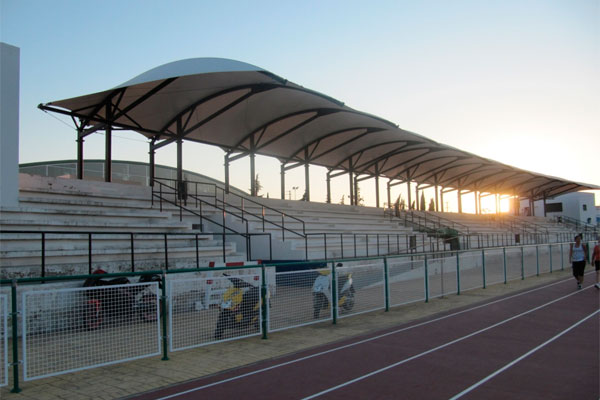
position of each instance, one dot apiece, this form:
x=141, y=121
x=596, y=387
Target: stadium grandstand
x=75, y=216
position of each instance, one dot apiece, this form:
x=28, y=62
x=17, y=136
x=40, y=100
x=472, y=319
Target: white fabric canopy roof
x=246, y=109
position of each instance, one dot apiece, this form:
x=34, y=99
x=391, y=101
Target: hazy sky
x=515, y=81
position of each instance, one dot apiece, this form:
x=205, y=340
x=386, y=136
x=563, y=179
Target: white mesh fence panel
x=66, y=330
x=494, y=266
x=406, y=280
x=544, y=258
x=513, y=263
x=530, y=261
x=210, y=309
x=471, y=270
x=301, y=298
x=3, y=340
x=360, y=288
x=442, y=276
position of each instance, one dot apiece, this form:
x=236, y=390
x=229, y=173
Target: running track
x=542, y=343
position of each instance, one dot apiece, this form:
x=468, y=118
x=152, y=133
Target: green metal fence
x=194, y=306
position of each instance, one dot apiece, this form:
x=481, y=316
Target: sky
x=517, y=81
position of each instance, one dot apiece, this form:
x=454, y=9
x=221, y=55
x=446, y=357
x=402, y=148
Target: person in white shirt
x=578, y=256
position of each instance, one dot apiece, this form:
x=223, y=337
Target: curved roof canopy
x=246, y=109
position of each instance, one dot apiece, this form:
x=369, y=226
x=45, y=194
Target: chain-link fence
x=3, y=340
x=406, y=280
x=301, y=298
x=71, y=329
x=360, y=288
x=210, y=309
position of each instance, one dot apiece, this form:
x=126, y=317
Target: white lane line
x=360, y=378
x=507, y=366
x=361, y=341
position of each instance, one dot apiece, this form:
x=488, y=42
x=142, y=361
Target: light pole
x=294, y=188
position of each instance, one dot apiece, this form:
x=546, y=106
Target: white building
x=577, y=205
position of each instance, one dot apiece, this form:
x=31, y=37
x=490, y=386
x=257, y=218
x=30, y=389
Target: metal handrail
x=578, y=223
x=89, y=235
x=220, y=197
x=202, y=217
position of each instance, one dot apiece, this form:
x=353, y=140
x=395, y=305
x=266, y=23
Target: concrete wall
x=577, y=205
x=9, y=125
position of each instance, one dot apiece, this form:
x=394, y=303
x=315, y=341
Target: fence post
x=386, y=282
x=334, y=300
x=522, y=264
x=163, y=315
x=483, y=266
x=457, y=274
x=15, y=336
x=537, y=260
x=43, y=255
x=132, y=256
x=90, y=253
x=166, y=252
x=550, y=253
x=562, y=258
x=504, y=257
x=427, y=281
x=265, y=298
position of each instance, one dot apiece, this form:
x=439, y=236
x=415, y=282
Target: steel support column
x=351, y=178
x=306, y=176
x=108, y=145
x=436, y=198
x=477, y=202
x=226, y=165
x=389, y=193
x=179, y=161
x=409, y=205
x=544, y=205
x=459, y=196
x=79, y=154
x=252, y=174
x=151, y=164
x=282, y=180
x=442, y=200
x=328, y=187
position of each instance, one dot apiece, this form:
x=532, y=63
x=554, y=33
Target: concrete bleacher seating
x=73, y=208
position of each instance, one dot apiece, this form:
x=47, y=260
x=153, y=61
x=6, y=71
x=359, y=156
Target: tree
x=422, y=207
x=342, y=200
x=360, y=201
x=431, y=205
x=257, y=185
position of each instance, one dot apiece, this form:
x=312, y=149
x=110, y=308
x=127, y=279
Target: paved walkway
x=127, y=379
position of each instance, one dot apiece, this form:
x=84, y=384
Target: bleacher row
x=77, y=215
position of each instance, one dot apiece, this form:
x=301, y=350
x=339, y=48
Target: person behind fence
x=577, y=256
x=596, y=263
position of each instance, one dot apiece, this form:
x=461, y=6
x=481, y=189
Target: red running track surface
x=542, y=343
